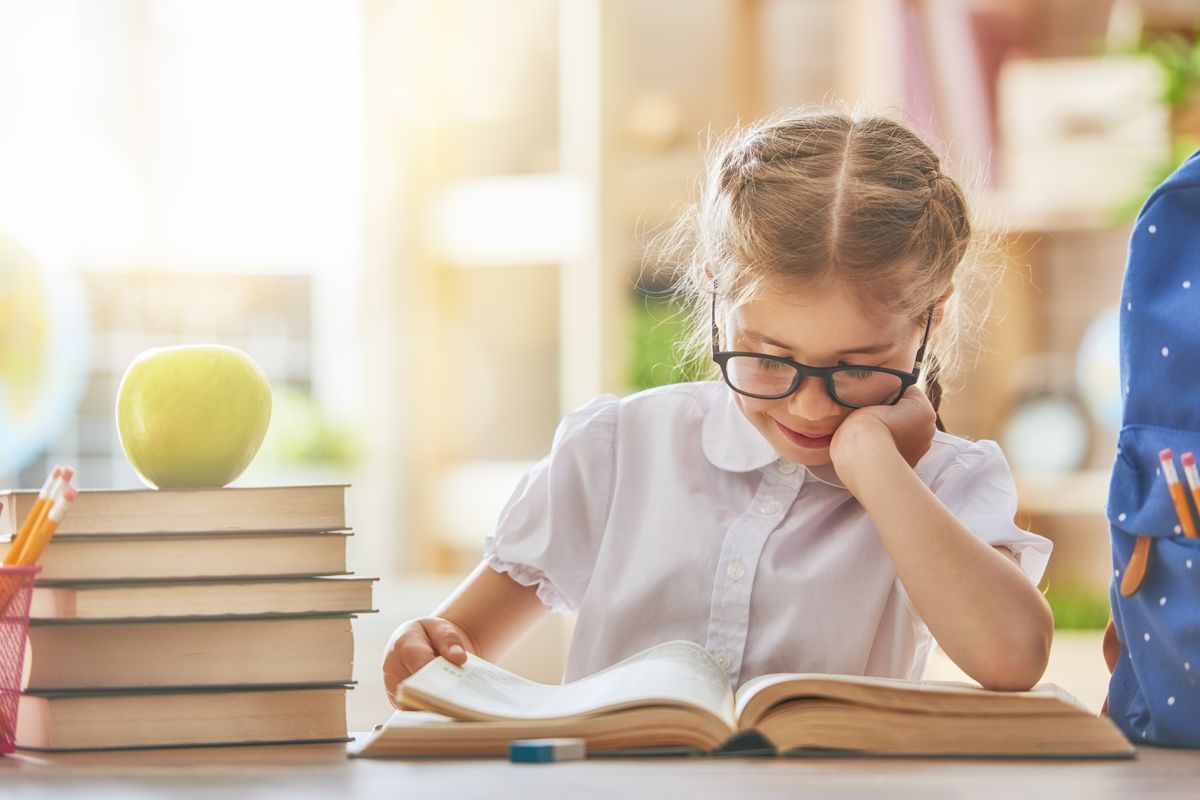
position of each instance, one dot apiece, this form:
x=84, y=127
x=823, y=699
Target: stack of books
x=190, y=617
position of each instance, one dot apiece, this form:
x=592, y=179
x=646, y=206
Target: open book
x=674, y=695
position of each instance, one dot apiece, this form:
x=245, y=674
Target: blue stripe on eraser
x=530, y=753
x=540, y=751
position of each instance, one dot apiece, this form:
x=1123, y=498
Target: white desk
x=323, y=771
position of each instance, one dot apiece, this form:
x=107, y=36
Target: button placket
x=730, y=609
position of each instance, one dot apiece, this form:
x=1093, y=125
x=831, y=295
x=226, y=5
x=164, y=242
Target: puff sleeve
x=549, y=531
x=978, y=488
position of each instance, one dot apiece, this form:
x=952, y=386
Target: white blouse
x=666, y=515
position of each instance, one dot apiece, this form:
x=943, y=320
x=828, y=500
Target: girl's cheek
x=756, y=409
x=753, y=405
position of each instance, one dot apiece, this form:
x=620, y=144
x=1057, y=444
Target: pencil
x=1182, y=509
x=61, y=479
x=32, y=518
x=45, y=532
x=1193, y=477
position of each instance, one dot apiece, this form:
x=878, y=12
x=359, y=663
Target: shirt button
x=736, y=569
x=723, y=660
x=768, y=508
x=787, y=467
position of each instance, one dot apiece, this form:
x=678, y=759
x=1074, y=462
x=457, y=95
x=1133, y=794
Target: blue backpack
x=1152, y=644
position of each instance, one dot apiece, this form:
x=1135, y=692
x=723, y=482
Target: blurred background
x=428, y=221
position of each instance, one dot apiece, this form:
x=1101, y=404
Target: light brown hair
x=805, y=198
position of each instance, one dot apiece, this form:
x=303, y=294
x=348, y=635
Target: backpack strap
x=1135, y=570
x=1112, y=651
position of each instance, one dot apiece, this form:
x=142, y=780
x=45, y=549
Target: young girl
x=805, y=513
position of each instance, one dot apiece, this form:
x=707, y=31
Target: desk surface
x=323, y=770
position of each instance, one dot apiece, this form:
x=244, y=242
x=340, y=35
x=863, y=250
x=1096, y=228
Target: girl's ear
x=940, y=306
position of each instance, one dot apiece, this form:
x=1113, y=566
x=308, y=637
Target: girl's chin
x=804, y=456
x=808, y=456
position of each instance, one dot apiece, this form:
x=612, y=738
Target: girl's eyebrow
x=869, y=350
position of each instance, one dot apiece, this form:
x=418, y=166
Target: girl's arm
x=492, y=610
x=978, y=604
x=486, y=615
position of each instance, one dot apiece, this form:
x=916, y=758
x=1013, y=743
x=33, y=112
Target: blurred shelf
x=998, y=211
x=1077, y=493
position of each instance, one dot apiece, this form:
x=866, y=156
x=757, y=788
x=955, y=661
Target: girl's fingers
x=415, y=644
x=415, y=651
x=408, y=651
x=447, y=640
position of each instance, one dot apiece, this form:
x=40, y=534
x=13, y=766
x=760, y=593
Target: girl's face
x=819, y=329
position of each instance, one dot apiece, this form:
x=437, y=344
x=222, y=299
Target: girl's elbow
x=1017, y=665
x=1018, y=678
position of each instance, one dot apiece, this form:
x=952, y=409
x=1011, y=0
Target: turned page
x=758, y=694
x=677, y=671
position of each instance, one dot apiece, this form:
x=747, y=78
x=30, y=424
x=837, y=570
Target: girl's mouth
x=802, y=440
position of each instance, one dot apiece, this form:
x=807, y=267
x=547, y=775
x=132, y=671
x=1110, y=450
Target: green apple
x=192, y=416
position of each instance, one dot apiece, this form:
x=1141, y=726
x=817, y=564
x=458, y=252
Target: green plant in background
x=1077, y=609
x=658, y=331
x=300, y=433
x=1179, y=60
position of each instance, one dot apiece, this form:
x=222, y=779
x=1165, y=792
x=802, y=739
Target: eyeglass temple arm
x=924, y=339
x=715, y=335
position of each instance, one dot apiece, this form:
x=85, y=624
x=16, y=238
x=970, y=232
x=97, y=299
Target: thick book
x=229, y=510
x=57, y=721
x=200, y=598
x=130, y=654
x=675, y=696
x=189, y=556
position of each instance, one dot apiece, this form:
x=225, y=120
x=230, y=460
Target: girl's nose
x=812, y=401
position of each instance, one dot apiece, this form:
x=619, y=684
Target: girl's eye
x=767, y=365
x=858, y=374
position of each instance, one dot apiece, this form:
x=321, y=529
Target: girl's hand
x=417, y=642
x=908, y=427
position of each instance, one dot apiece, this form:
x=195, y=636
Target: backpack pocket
x=1139, y=502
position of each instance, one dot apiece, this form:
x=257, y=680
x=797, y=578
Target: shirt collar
x=732, y=443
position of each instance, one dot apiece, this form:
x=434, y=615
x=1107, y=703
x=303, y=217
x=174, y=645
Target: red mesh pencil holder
x=16, y=591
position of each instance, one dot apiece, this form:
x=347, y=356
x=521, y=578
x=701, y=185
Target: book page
x=756, y=695
x=681, y=672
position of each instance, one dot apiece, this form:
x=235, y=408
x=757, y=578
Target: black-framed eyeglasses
x=774, y=377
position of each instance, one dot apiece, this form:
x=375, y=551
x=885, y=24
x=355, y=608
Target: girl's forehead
x=818, y=324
